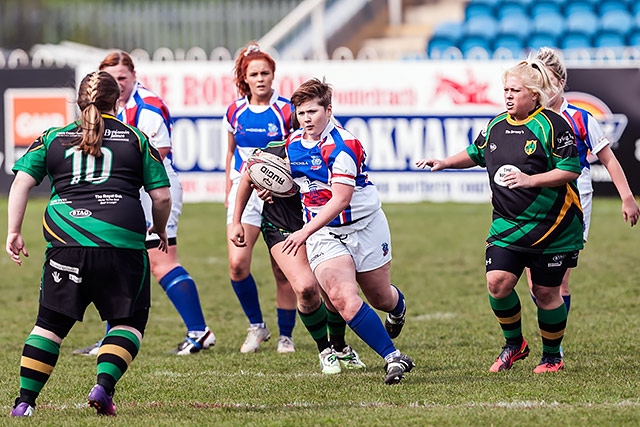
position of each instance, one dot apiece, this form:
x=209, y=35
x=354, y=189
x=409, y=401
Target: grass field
x=451, y=334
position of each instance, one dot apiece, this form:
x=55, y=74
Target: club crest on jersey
x=316, y=163
x=530, y=146
x=272, y=130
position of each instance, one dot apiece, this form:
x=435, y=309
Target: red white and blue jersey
x=338, y=157
x=146, y=111
x=255, y=126
x=590, y=139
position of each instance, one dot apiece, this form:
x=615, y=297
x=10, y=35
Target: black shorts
x=546, y=269
x=152, y=244
x=116, y=281
x=273, y=235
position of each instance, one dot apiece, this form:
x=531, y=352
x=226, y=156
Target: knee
x=500, y=286
x=238, y=268
x=308, y=294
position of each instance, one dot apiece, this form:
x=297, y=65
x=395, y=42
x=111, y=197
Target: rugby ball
x=270, y=172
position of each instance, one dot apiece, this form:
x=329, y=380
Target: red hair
x=249, y=53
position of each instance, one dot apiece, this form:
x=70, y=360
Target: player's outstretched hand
x=435, y=164
x=15, y=247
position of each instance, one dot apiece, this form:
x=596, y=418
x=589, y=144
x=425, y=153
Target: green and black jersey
x=541, y=220
x=95, y=201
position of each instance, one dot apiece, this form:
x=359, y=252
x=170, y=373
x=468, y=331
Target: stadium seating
x=581, y=6
x=512, y=8
x=504, y=28
x=605, y=6
x=633, y=39
x=551, y=24
x=620, y=21
x=609, y=39
x=446, y=35
x=537, y=40
x=583, y=23
x=576, y=40
x=515, y=26
x=475, y=9
x=508, y=45
x=545, y=7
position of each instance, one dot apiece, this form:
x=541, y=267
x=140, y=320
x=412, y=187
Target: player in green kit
x=532, y=161
x=95, y=229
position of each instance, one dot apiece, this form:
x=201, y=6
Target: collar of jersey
x=513, y=121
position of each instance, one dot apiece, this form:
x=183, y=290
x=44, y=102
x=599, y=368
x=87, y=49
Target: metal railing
x=149, y=25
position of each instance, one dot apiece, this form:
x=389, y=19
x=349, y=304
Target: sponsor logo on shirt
x=512, y=131
x=567, y=138
x=81, y=213
x=116, y=135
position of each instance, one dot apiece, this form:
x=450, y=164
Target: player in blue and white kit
x=143, y=109
x=346, y=232
x=259, y=117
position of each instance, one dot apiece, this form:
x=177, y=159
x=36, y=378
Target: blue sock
x=182, y=291
x=247, y=293
x=286, y=321
x=567, y=301
x=399, y=308
x=367, y=325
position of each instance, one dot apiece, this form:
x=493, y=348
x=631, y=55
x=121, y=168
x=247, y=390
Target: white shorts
x=586, y=202
x=176, y=207
x=252, y=214
x=368, y=241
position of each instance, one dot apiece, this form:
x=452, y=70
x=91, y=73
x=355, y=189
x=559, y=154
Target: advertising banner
x=32, y=101
x=401, y=111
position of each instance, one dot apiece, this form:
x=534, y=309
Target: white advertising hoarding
x=401, y=111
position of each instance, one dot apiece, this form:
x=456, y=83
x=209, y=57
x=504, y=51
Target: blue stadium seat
x=537, y=40
x=481, y=26
x=544, y=7
x=576, y=40
x=633, y=39
x=618, y=21
x=579, y=6
x=609, y=39
x=452, y=30
x=478, y=8
x=470, y=42
x=583, y=22
x=446, y=35
x=511, y=8
x=514, y=26
x=605, y=6
x=508, y=43
x=551, y=24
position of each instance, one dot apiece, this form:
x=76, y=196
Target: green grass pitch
x=451, y=333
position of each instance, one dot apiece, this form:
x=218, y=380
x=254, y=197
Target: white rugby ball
x=270, y=172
